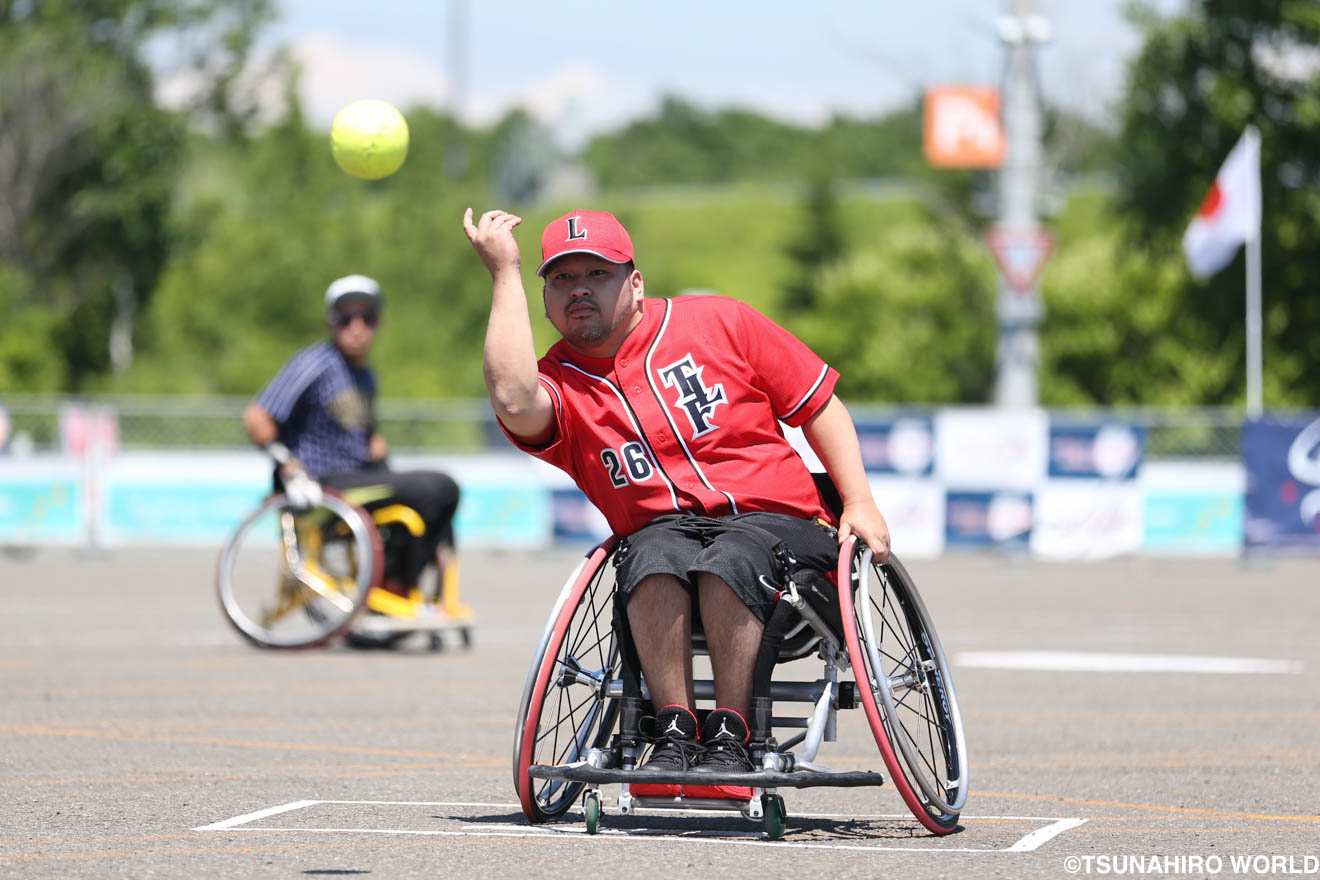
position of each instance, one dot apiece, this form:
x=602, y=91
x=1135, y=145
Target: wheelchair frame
x=577, y=724
x=339, y=600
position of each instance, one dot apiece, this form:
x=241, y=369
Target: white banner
x=991, y=448
x=1086, y=520
x=914, y=510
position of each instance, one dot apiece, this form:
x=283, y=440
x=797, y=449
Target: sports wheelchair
x=299, y=578
x=579, y=721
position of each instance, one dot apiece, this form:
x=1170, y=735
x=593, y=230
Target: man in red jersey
x=666, y=413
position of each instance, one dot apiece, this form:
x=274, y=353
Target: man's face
x=592, y=302
x=353, y=323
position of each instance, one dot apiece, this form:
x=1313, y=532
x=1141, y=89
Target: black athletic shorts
x=739, y=549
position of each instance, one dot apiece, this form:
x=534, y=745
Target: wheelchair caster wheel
x=437, y=643
x=591, y=809
x=775, y=817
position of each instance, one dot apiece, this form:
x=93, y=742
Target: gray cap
x=350, y=284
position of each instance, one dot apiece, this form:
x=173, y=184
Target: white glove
x=301, y=490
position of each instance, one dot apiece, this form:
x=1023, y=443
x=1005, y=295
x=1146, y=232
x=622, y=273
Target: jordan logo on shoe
x=673, y=726
x=724, y=730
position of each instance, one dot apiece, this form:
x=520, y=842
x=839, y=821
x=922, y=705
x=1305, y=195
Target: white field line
x=1077, y=661
x=1041, y=836
x=1028, y=843
x=252, y=817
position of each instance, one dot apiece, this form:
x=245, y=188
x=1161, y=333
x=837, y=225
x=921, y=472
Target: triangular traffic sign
x=1020, y=254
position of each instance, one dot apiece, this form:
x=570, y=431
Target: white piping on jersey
x=803, y=402
x=559, y=400
x=664, y=407
x=655, y=459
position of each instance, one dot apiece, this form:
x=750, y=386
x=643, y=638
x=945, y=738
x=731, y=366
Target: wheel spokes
x=907, y=681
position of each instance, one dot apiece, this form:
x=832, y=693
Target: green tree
x=818, y=242
x=25, y=361
x=1200, y=78
x=909, y=318
x=263, y=227
x=1114, y=331
x=88, y=162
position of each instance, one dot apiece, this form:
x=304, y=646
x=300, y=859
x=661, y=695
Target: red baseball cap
x=585, y=232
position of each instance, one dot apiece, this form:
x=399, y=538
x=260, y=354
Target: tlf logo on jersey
x=573, y=232
x=697, y=400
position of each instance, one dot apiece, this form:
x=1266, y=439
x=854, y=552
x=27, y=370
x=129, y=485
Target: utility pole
x=456, y=51
x=1019, y=310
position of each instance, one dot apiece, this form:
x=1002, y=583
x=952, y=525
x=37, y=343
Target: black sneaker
x=724, y=750
x=674, y=733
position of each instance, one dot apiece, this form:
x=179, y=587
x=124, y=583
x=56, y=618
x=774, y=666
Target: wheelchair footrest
x=584, y=772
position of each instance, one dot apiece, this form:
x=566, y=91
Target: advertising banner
x=577, y=520
x=914, y=511
x=1282, y=459
x=990, y=449
x=1194, y=522
x=903, y=446
x=1086, y=519
x=41, y=501
x=176, y=497
x=985, y=520
x=1112, y=451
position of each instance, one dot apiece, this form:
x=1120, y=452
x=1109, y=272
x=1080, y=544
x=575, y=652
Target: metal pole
x=1254, y=402
x=456, y=32
x=1018, y=314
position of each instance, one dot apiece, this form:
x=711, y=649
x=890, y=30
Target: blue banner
x=988, y=519
x=1111, y=451
x=577, y=519
x=41, y=510
x=903, y=446
x=1282, y=459
x=1192, y=521
x=503, y=516
x=197, y=513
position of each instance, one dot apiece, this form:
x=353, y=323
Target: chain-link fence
x=183, y=422
x=155, y=422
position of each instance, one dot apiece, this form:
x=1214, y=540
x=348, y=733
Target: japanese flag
x=1230, y=214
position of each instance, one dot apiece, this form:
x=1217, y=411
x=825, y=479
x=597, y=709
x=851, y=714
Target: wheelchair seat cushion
x=751, y=552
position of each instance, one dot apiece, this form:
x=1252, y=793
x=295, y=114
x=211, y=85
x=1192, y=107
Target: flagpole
x=1253, y=327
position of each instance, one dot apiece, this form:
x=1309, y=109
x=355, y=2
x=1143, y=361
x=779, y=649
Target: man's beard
x=592, y=332
x=588, y=335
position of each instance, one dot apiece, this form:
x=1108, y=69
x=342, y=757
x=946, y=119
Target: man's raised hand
x=492, y=239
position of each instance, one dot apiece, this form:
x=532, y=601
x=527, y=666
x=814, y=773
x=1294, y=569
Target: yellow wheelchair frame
x=352, y=603
x=400, y=615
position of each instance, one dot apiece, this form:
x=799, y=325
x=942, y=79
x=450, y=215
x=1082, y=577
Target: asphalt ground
x=140, y=737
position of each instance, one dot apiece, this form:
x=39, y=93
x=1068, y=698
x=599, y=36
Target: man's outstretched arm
x=508, y=361
x=833, y=436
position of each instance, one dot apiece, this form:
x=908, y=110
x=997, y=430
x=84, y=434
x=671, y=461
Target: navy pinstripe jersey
x=325, y=409
x=685, y=416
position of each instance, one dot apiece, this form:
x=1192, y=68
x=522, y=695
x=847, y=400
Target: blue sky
x=591, y=65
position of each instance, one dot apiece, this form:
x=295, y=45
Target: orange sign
x=962, y=127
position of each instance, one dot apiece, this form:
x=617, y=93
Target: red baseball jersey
x=685, y=417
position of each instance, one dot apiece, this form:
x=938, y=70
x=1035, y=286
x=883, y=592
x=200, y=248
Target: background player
x=666, y=413
x=317, y=418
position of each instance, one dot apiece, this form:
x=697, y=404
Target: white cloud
x=336, y=72
x=574, y=101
